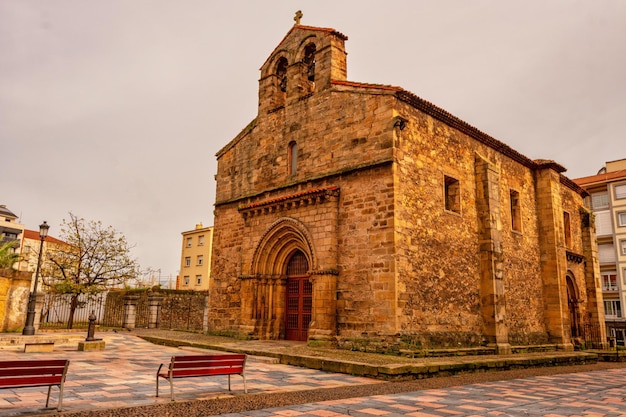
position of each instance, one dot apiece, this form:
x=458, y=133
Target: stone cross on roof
x=298, y=17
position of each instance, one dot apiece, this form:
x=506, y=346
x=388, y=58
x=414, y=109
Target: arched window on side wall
x=293, y=158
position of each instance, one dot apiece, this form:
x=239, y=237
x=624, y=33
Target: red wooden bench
x=35, y=373
x=202, y=365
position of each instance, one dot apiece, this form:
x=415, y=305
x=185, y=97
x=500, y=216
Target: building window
x=620, y=192
x=188, y=261
x=609, y=281
x=622, y=246
x=606, y=253
x=186, y=278
x=621, y=218
x=612, y=308
x=200, y=259
x=600, y=201
x=452, y=194
x=198, y=279
x=189, y=242
x=201, y=240
x=293, y=158
x=567, y=229
x=516, y=217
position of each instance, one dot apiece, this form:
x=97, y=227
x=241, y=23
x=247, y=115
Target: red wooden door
x=299, y=298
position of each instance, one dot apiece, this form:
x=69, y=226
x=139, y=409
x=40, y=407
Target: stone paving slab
x=123, y=375
x=593, y=394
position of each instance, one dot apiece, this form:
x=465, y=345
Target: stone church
x=357, y=211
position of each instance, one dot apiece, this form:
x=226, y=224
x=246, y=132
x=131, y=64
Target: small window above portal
x=292, y=158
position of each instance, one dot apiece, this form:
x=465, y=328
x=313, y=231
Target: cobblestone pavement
x=123, y=375
x=599, y=393
x=120, y=381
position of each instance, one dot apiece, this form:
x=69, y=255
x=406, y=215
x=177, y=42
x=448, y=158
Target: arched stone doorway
x=572, y=305
x=281, y=304
x=299, y=298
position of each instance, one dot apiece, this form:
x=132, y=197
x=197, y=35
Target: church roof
x=462, y=126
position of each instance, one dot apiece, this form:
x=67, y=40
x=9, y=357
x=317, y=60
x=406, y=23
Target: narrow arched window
x=309, y=61
x=293, y=158
x=281, y=73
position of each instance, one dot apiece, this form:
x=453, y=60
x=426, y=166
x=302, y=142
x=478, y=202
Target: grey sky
x=114, y=109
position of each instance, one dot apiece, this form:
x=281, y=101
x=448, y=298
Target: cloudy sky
x=114, y=110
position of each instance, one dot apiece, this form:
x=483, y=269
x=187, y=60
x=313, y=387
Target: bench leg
x=172, y=388
x=60, y=396
x=157, y=385
x=48, y=398
x=245, y=388
x=229, y=382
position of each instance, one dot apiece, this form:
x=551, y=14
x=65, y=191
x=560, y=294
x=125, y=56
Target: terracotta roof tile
x=34, y=235
x=601, y=178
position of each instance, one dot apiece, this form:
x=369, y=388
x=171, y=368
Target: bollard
x=91, y=343
x=91, y=329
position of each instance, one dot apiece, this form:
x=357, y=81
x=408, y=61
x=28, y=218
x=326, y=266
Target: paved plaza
x=591, y=394
x=123, y=375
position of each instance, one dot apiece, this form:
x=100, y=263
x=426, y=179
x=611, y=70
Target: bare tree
x=94, y=259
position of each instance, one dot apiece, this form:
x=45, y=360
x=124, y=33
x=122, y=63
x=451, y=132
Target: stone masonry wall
x=404, y=263
x=438, y=250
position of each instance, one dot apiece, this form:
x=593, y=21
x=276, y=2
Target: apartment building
x=10, y=229
x=607, y=190
x=195, y=259
x=30, y=244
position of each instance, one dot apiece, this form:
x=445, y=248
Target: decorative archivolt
x=278, y=243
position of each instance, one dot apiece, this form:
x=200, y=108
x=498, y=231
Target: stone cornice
x=286, y=202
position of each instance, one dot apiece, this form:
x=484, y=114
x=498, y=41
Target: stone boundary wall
x=179, y=309
x=14, y=292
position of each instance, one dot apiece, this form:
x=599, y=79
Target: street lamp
x=29, y=328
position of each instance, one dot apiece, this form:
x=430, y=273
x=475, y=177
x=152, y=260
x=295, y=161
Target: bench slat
x=32, y=381
x=207, y=364
x=181, y=373
x=44, y=370
x=210, y=357
x=32, y=363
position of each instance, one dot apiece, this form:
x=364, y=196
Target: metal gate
x=299, y=298
x=56, y=310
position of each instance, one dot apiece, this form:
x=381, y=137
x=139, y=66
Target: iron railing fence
x=57, y=309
